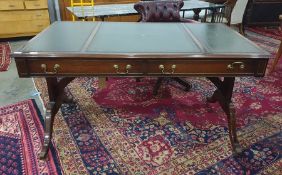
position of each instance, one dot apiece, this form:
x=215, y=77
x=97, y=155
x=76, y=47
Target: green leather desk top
x=131, y=39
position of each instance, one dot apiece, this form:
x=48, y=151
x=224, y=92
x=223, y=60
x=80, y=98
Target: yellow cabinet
x=23, y=17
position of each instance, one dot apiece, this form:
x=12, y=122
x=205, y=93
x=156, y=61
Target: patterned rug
x=270, y=32
x=124, y=129
x=20, y=133
x=5, y=59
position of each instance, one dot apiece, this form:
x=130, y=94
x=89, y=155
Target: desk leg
x=196, y=16
x=223, y=95
x=213, y=15
x=56, y=97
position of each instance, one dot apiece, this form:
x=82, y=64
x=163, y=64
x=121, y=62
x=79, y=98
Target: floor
x=14, y=89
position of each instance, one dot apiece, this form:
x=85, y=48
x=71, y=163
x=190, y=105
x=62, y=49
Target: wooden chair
x=232, y=14
x=162, y=11
x=279, y=52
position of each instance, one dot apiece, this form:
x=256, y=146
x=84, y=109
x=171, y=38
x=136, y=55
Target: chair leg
x=138, y=79
x=278, y=55
x=241, y=29
x=183, y=83
x=186, y=85
x=157, y=85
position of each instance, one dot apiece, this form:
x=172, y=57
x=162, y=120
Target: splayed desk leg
x=56, y=97
x=223, y=95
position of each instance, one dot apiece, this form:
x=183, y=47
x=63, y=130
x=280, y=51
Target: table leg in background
x=196, y=14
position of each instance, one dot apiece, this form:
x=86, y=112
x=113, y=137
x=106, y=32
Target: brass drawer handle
x=127, y=68
x=55, y=68
x=116, y=67
x=36, y=5
x=162, y=68
x=173, y=68
x=12, y=6
x=239, y=63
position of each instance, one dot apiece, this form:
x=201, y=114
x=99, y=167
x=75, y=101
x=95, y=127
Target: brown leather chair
x=162, y=11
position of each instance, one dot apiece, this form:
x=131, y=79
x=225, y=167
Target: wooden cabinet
x=23, y=17
x=263, y=12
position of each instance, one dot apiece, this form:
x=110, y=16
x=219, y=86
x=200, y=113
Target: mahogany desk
x=76, y=49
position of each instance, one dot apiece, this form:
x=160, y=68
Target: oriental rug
x=124, y=129
x=5, y=59
x=21, y=132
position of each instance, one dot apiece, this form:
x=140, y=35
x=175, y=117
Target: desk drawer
x=17, y=27
x=203, y=67
x=84, y=67
x=11, y=5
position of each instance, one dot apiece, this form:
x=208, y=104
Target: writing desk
x=102, y=11
x=75, y=49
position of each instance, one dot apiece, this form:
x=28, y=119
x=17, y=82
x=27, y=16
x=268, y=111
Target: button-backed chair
x=279, y=52
x=162, y=11
x=232, y=14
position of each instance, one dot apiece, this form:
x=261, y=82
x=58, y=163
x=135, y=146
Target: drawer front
x=23, y=15
x=84, y=67
x=70, y=67
x=36, y=4
x=18, y=27
x=203, y=67
x=11, y=5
